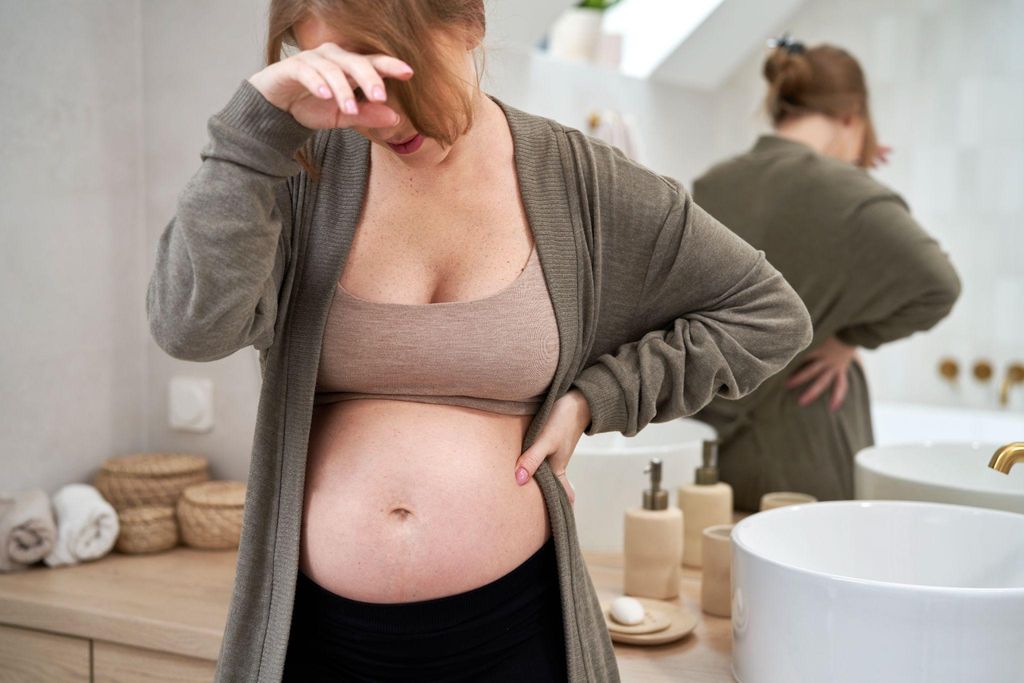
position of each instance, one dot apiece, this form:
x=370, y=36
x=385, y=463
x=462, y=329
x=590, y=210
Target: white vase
x=576, y=33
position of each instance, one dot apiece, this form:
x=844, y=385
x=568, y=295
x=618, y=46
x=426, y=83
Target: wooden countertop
x=174, y=601
x=704, y=656
x=177, y=601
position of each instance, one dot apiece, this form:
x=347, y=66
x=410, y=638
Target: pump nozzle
x=655, y=498
x=707, y=474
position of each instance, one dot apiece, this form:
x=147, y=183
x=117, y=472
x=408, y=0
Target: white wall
x=947, y=82
x=72, y=367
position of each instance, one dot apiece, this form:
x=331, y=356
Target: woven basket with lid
x=210, y=514
x=142, y=479
x=147, y=529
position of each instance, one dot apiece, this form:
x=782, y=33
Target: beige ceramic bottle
x=706, y=502
x=653, y=543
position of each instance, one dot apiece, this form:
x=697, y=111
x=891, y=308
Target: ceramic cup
x=780, y=499
x=716, y=573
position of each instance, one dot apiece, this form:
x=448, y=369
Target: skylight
x=652, y=29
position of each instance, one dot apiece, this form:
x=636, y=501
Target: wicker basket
x=147, y=529
x=149, y=478
x=210, y=514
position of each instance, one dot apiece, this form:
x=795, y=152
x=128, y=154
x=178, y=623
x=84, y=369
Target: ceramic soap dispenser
x=706, y=502
x=653, y=543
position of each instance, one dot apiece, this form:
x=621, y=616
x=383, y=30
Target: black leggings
x=508, y=630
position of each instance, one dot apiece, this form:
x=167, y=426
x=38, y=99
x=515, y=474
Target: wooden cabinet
x=28, y=655
x=114, y=663
x=155, y=618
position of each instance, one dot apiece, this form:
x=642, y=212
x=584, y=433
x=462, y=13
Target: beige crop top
x=497, y=353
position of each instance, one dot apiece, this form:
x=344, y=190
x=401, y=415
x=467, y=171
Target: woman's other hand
x=317, y=87
x=556, y=442
x=881, y=156
x=825, y=366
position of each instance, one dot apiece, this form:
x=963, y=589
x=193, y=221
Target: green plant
x=597, y=4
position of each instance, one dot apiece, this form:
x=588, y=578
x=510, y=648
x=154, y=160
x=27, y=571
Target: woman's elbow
x=794, y=328
x=183, y=338
x=948, y=284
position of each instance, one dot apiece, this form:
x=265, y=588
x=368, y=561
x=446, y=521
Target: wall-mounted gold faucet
x=1014, y=375
x=1007, y=456
x=949, y=369
x=982, y=370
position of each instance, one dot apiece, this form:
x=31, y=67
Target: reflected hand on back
x=824, y=367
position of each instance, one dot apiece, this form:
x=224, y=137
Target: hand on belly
x=409, y=501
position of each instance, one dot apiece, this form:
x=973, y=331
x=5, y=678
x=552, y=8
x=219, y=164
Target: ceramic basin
x=880, y=591
x=898, y=423
x=944, y=473
x=607, y=472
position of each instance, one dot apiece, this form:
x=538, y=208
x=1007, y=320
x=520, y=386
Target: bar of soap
x=626, y=610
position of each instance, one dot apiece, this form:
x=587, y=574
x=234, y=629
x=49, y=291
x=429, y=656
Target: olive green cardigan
x=868, y=273
x=659, y=308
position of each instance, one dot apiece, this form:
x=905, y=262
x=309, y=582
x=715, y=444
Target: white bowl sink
x=943, y=473
x=607, y=472
x=852, y=592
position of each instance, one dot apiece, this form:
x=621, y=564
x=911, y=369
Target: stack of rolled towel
x=78, y=525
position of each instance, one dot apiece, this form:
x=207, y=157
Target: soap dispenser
x=706, y=502
x=653, y=543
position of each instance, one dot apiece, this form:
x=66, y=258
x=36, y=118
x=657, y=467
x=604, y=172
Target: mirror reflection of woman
x=868, y=273
x=446, y=292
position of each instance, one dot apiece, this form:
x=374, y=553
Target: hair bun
x=788, y=73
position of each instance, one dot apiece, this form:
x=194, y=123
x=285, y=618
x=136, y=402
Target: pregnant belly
x=410, y=501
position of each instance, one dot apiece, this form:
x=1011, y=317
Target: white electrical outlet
x=190, y=403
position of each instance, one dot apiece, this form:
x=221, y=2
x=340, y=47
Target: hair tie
x=786, y=42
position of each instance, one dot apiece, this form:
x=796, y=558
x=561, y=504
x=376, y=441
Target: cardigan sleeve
x=221, y=260
x=719, y=319
x=900, y=281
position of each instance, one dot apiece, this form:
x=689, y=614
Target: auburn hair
x=824, y=79
x=436, y=99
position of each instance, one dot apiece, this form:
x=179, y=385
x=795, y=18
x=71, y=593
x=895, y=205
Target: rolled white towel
x=87, y=525
x=27, y=529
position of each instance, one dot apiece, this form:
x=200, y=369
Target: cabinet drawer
x=27, y=655
x=114, y=663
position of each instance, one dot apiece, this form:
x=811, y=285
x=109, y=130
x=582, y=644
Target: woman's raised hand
x=317, y=87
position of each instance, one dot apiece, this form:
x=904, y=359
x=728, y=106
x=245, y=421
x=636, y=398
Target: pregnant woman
x=867, y=271
x=445, y=292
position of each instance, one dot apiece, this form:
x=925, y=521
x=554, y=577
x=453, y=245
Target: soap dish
x=663, y=622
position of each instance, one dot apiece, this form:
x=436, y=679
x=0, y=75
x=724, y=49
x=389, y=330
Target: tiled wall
x=947, y=82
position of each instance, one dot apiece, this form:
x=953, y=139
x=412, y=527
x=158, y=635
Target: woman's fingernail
x=378, y=93
x=350, y=107
x=522, y=476
x=324, y=91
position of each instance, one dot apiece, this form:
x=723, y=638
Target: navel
x=401, y=514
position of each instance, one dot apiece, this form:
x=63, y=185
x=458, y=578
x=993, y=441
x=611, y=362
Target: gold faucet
x=1014, y=375
x=1007, y=456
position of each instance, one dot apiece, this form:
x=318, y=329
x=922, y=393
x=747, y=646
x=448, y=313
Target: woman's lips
x=409, y=146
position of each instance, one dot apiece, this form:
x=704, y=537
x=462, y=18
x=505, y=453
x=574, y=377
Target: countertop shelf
x=177, y=602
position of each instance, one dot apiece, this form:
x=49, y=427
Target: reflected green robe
x=868, y=274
